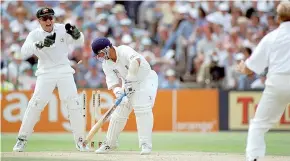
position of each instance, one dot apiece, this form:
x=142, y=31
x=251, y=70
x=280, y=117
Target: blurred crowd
x=188, y=43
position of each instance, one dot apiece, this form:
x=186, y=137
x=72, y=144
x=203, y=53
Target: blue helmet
x=99, y=44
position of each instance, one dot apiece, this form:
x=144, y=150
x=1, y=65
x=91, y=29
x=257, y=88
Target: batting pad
x=144, y=121
x=117, y=123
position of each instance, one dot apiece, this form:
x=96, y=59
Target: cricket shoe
x=82, y=146
x=105, y=148
x=251, y=159
x=20, y=144
x=146, y=149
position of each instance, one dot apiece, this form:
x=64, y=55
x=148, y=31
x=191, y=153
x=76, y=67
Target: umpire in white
x=50, y=43
x=273, y=52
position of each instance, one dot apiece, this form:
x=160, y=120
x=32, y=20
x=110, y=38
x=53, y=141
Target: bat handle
x=120, y=99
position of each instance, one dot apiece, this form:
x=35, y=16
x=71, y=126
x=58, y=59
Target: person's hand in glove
x=73, y=31
x=48, y=41
x=130, y=85
x=131, y=81
x=119, y=92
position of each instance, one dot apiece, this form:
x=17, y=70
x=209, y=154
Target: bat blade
x=100, y=123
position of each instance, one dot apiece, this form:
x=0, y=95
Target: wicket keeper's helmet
x=45, y=11
x=99, y=44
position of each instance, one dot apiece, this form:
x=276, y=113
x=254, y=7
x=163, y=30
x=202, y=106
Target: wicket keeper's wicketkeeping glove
x=39, y=45
x=73, y=31
x=48, y=41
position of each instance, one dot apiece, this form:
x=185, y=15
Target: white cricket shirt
x=116, y=71
x=273, y=51
x=53, y=59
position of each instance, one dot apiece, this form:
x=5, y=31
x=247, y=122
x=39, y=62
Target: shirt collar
x=117, y=54
x=285, y=24
x=54, y=29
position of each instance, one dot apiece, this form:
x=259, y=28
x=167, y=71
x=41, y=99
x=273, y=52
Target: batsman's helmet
x=99, y=44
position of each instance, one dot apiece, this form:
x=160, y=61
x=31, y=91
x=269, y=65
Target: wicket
x=96, y=107
x=84, y=105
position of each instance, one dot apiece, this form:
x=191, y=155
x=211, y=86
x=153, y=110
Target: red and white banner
x=242, y=107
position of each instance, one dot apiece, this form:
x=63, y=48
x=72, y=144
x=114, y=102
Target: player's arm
x=29, y=48
x=134, y=61
x=242, y=67
x=133, y=69
x=258, y=61
x=134, y=64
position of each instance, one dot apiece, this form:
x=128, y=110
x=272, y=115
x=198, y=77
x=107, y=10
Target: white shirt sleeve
x=259, y=60
x=111, y=77
x=28, y=48
x=129, y=53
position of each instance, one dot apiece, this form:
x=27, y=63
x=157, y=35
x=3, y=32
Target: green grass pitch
x=278, y=143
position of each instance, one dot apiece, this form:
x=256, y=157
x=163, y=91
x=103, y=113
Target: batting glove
x=73, y=31
x=119, y=92
x=130, y=86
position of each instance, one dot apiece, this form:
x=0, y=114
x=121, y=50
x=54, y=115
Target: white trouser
x=142, y=102
x=45, y=85
x=275, y=99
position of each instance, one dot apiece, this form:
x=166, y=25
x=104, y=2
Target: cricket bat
x=100, y=122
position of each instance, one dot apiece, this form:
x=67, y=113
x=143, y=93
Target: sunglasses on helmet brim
x=45, y=18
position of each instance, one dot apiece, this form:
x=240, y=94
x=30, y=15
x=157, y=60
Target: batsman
x=127, y=72
x=50, y=43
